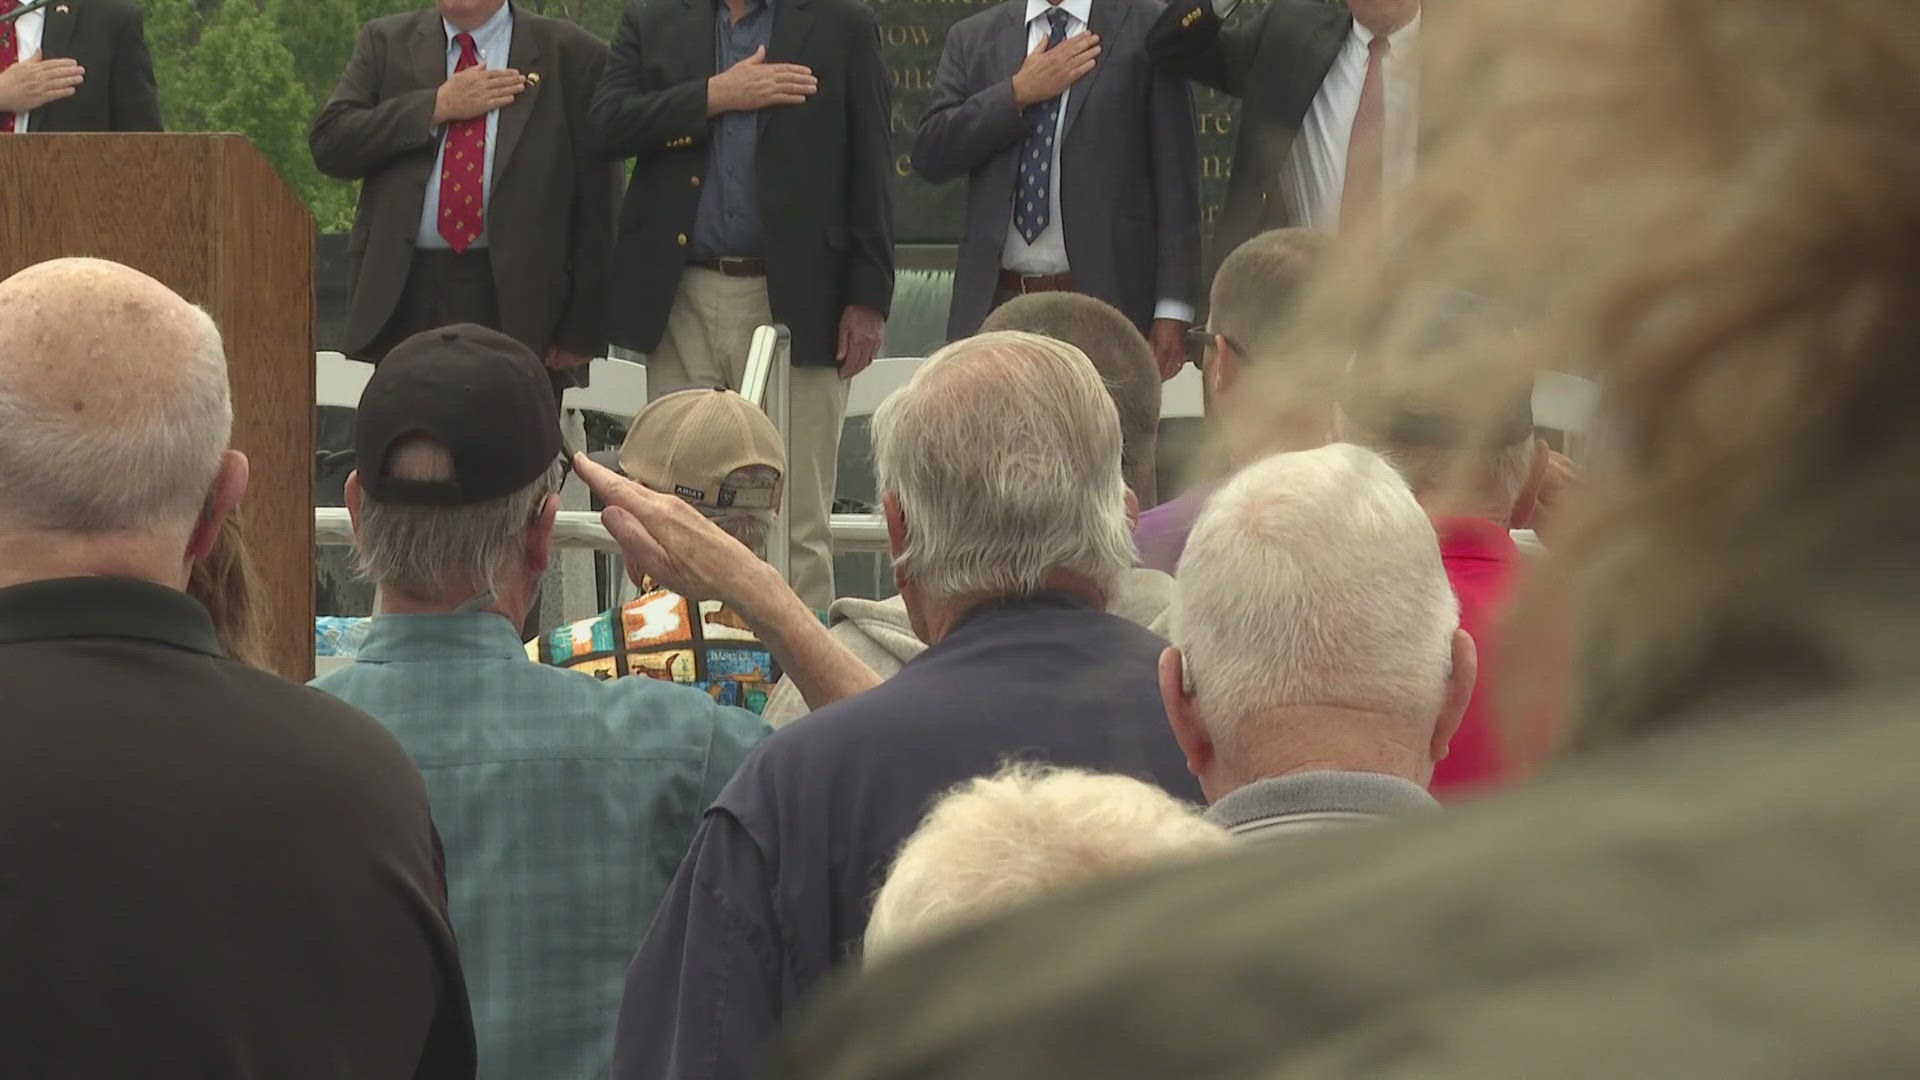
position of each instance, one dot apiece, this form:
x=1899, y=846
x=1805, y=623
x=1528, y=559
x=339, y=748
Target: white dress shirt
x=1047, y=255
x=491, y=40
x=1319, y=157
x=26, y=36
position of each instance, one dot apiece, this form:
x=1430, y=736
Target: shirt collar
x=1079, y=9
x=83, y=607
x=1399, y=41
x=477, y=635
x=1475, y=538
x=1322, y=791
x=495, y=23
x=1051, y=599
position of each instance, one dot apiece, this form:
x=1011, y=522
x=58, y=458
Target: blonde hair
x=225, y=583
x=997, y=842
x=1715, y=209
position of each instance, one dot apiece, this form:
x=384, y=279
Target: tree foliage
x=264, y=67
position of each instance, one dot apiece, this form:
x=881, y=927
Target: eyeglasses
x=1201, y=341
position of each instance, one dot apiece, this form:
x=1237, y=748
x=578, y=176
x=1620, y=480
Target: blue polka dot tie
x=1033, y=195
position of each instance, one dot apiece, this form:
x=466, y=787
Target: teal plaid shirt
x=565, y=805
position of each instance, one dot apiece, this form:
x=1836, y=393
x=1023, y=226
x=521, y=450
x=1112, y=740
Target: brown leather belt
x=1012, y=281
x=751, y=267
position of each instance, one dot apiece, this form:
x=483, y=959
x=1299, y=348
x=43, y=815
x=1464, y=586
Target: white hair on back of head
x=1313, y=578
x=1004, y=454
x=997, y=842
x=141, y=467
x=429, y=552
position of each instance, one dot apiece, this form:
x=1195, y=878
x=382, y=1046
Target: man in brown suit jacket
x=486, y=80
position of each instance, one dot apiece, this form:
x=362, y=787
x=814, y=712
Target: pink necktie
x=1367, y=148
x=463, y=184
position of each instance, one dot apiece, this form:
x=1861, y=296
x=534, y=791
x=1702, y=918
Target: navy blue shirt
x=777, y=888
x=727, y=224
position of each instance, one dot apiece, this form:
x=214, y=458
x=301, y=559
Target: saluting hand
x=1047, y=73
x=476, y=92
x=33, y=82
x=755, y=84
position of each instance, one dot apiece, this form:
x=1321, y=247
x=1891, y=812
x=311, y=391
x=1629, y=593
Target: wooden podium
x=207, y=215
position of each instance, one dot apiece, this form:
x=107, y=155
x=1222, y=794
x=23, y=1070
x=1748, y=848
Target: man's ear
x=1460, y=682
x=896, y=520
x=1528, y=501
x=354, y=495
x=1226, y=366
x=540, y=536
x=229, y=487
x=1182, y=715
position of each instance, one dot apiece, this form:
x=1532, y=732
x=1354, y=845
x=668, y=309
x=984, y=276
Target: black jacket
x=824, y=167
x=550, y=215
x=1274, y=62
x=107, y=38
x=1129, y=162
x=205, y=870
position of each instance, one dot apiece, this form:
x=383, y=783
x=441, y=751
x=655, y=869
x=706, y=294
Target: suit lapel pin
x=533, y=78
x=61, y=10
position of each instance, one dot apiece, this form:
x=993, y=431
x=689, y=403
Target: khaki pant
x=706, y=341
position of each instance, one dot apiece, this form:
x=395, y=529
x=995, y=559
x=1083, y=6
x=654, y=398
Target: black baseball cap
x=477, y=392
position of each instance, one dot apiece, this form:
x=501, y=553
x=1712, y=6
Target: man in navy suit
x=1081, y=161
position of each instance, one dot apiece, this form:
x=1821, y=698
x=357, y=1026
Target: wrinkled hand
x=1169, y=340
x=33, y=82
x=665, y=538
x=559, y=359
x=755, y=84
x=1046, y=73
x=861, y=329
x=475, y=92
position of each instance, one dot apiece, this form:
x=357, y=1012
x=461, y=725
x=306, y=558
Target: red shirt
x=1482, y=562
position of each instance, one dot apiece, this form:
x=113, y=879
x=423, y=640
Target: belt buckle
x=734, y=265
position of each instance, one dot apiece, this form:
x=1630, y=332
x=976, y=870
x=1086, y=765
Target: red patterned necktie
x=9, y=55
x=1367, y=149
x=463, y=183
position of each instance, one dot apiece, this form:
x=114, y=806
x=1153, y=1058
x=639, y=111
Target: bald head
x=114, y=412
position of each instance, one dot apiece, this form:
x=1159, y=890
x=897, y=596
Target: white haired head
x=432, y=553
x=1312, y=612
x=998, y=842
x=1002, y=459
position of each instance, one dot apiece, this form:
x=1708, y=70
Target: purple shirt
x=1162, y=533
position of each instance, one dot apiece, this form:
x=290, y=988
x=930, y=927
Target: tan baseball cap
x=690, y=442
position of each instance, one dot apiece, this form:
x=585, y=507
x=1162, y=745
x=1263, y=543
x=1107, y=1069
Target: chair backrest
x=338, y=381
x=615, y=387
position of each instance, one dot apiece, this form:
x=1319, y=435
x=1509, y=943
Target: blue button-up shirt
x=492, y=41
x=727, y=223
x=565, y=805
